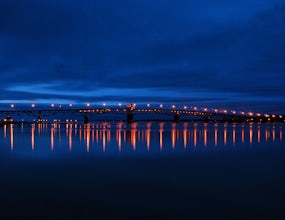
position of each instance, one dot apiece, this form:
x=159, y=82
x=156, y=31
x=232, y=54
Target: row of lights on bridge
x=60, y=106
x=173, y=107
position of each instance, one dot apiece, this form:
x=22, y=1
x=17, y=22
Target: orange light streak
x=52, y=138
x=12, y=137
x=33, y=137
x=216, y=134
x=161, y=125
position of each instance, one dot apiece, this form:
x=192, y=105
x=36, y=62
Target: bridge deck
x=174, y=112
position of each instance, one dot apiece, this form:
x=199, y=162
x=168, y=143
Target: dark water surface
x=142, y=171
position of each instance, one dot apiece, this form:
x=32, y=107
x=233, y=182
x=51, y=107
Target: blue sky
x=221, y=53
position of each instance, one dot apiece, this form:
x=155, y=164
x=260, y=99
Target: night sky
x=205, y=53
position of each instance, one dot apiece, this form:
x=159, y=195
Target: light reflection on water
x=137, y=137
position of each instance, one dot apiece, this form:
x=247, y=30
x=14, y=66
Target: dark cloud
x=33, y=19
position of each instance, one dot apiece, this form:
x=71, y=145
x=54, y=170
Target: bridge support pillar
x=176, y=118
x=130, y=112
x=86, y=119
x=207, y=119
x=130, y=117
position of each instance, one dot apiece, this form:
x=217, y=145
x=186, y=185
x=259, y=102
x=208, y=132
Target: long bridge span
x=130, y=111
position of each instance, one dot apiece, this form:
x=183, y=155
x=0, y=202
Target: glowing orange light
x=216, y=135
x=52, y=138
x=205, y=136
x=33, y=137
x=195, y=135
x=12, y=137
x=134, y=136
x=87, y=137
x=173, y=135
x=148, y=136
x=258, y=134
x=267, y=135
x=70, y=138
x=103, y=140
x=161, y=135
x=242, y=135
x=250, y=134
x=225, y=135
x=185, y=136
x=234, y=136
x=5, y=130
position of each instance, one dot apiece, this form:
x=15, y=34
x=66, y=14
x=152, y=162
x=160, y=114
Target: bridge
x=131, y=110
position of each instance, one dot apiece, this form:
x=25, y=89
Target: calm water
x=142, y=171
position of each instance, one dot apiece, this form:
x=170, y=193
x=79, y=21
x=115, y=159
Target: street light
x=33, y=105
x=161, y=106
x=12, y=106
